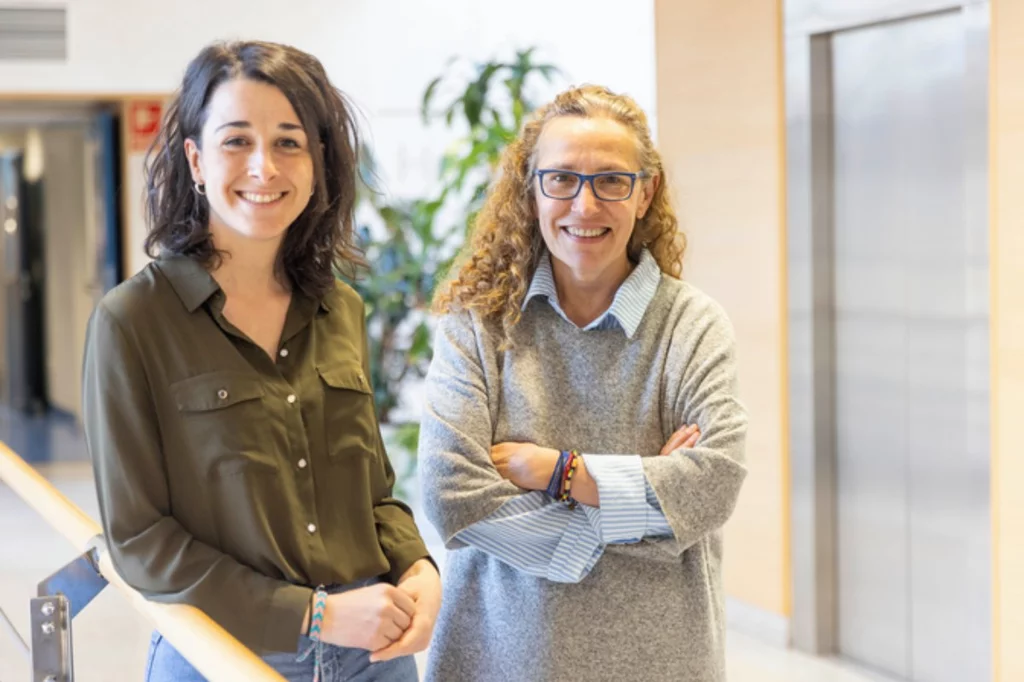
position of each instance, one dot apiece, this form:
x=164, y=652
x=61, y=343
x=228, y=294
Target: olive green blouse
x=228, y=480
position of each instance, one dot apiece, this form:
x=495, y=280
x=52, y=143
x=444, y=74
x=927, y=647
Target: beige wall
x=1007, y=249
x=719, y=92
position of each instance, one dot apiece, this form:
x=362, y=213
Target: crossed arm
x=490, y=496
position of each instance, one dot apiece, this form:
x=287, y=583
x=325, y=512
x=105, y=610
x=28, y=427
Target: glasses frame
x=585, y=178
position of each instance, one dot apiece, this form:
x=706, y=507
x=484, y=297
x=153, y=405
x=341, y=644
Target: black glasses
x=610, y=186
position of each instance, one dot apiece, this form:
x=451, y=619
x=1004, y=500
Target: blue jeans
x=341, y=664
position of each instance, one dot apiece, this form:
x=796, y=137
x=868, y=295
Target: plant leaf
x=428, y=97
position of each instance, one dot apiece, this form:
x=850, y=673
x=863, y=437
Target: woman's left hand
x=423, y=584
x=527, y=465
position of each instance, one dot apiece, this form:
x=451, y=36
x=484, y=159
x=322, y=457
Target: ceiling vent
x=33, y=33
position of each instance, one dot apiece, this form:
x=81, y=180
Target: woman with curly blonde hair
x=566, y=330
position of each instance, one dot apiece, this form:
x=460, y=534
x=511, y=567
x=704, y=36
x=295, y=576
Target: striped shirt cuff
x=540, y=537
x=621, y=486
x=629, y=509
x=577, y=553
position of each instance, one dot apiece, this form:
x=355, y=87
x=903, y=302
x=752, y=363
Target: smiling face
x=253, y=159
x=585, y=235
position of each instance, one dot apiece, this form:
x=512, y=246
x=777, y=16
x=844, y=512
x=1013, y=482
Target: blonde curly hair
x=496, y=265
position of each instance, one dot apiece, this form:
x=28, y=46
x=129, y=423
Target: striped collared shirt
x=541, y=537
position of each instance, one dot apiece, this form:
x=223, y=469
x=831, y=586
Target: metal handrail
x=207, y=646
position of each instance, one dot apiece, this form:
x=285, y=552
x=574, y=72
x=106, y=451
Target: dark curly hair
x=321, y=240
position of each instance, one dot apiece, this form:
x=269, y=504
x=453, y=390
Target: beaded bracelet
x=570, y=471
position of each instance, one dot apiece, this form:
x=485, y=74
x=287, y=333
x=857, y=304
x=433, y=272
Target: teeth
x=577, y=232
x=261, y=198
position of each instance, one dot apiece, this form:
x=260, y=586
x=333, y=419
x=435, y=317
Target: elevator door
x=910, y=261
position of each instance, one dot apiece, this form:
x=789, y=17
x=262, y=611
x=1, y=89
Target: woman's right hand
x=368, y=618
x=685, y=437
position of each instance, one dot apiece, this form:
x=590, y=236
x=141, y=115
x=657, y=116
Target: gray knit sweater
x=648, y=611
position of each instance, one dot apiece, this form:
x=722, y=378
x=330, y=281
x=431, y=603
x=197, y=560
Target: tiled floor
x=110, y=639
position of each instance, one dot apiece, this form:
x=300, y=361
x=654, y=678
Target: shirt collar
x=195, y=285
x=190, y=280
x=627, y=308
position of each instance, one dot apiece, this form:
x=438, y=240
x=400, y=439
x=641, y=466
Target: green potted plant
x=410, y=249
x=493, y=100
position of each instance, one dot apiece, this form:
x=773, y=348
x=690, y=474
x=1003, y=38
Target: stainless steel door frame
x=809, y=167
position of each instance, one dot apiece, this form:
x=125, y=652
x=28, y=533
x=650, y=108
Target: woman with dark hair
x=228, y=410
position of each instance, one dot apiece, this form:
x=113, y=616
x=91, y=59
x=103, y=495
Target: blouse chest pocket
x=350, y=421
x=224, y=420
